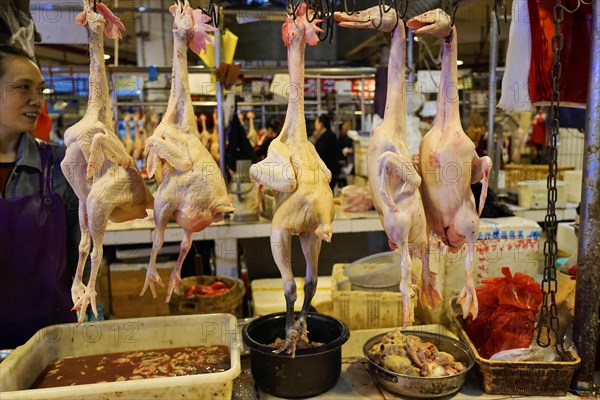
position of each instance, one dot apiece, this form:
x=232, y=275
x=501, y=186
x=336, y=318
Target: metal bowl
x=417, y=386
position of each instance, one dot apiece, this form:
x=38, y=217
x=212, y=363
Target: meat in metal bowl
x=419, y=386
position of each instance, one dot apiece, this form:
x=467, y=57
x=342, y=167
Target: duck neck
x=180, y=108
x=99, y=98
x=395, y=106
x=447, y=109
x=294, y=118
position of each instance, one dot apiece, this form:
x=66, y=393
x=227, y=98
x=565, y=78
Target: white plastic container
x=379, y=272
x=534, y=194
x=24, y=365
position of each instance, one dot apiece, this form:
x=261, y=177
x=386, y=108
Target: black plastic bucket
x=313, y=371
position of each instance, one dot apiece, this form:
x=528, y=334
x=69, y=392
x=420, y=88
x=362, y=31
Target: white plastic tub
x=534, y=194
x=24, y=365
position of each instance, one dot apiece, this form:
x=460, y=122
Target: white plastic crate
x=24, y=365
x=366, y=310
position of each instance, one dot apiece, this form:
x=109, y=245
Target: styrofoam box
x=566, y=238
x=534, y=194
x=24, y=365
x=573, y=180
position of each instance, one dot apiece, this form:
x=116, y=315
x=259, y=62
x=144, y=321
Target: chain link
x=548, y=323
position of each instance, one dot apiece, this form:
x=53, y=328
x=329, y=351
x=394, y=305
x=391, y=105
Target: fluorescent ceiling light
x=459, y=62
x=107, y=56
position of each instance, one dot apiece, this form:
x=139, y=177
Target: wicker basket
x=515, y=173
x=228, y=302
x=522, y=377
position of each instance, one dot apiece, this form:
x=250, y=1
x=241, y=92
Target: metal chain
x=549, y=313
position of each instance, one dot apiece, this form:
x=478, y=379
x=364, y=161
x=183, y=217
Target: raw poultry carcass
x=128, y=141
x=205, y=134
x=393, y=178
x=192, y=189
x=300, y=180
x=251, y=135
x=96, y=164
x=448, y=162
x=214, y=139
x=139, y=132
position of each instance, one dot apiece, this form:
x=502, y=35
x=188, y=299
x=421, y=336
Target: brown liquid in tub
x=116, y=367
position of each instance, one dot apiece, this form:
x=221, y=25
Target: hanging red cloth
x=538, y=130
x=43, y=125
x=574, y=57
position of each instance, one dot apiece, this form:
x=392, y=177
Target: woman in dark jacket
x=327, y=146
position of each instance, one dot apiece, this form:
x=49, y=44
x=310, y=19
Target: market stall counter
x=355, y=381
x=227, y=232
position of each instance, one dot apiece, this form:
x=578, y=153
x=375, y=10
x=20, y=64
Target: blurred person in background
x=273, y=127
x=347, y=153
x=327, y=146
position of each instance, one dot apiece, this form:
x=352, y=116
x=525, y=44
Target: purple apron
x=34, y=280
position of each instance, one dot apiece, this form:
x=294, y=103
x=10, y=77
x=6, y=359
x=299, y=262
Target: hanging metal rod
x=310, y=72
x=271, y=14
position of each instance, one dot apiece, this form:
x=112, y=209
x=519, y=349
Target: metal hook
x=292, y=8
x=316, y=8
x=403, y=13
x=322, y=12
x=579, y=3
x=380, y=5
x=392, y=5
x=212, y=12
x=453, y=18
x=328, y=17
x=496, y=2
x=346, y=7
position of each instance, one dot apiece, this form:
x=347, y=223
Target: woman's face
x=21, y=96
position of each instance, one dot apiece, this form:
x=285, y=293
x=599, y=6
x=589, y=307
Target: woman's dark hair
x=324, y=119
x=7, y=52
x=274, y=124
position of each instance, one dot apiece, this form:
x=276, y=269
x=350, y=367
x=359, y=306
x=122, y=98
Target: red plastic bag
x=507, y=306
